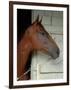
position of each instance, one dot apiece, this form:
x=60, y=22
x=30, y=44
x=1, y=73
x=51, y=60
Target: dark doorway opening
x=23, y=21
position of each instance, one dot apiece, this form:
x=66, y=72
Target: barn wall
x=43, y=66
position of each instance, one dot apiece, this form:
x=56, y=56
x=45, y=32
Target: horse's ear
x=37, y=19
x=41, y=20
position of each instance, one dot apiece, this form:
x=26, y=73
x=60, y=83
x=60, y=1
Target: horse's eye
x=42, y=33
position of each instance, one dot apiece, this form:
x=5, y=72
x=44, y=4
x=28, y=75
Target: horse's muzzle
x=56, y=53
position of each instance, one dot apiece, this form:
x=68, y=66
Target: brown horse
x=35, y=39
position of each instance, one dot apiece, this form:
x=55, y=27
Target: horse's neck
x=24, y=49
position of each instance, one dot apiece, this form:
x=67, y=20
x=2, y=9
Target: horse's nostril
x=58, y=51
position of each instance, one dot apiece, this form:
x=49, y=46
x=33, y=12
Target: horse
x=35, y=38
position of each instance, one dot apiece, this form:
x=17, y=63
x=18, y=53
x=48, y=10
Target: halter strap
x=25, y=73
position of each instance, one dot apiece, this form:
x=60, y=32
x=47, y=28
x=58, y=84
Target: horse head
x=41, y=40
